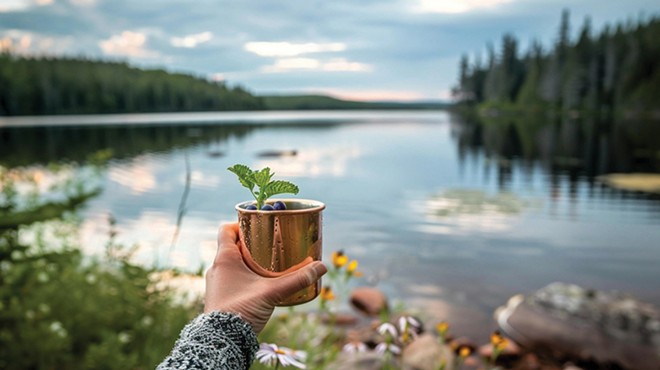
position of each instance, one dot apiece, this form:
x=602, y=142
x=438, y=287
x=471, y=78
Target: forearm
x=215, y=340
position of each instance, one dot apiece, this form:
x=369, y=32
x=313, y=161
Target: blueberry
x=279, y=206
x=251, y=207
x=267, y=207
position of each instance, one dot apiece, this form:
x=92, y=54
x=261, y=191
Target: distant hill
x=321, y=102
x=64, y=85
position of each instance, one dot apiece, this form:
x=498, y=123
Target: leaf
x=245, y=175
x=262, y=177
x=280, y=187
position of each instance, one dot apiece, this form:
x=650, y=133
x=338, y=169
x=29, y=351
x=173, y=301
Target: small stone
x=341, y=319
x=369, y=301
x=426, y=353
x=363, y=361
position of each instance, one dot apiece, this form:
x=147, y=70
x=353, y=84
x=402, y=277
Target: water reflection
x=573, y=147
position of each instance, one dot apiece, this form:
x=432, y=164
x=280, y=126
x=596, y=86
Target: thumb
x=288, y=284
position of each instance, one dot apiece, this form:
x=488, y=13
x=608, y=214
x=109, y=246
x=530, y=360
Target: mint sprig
x=263, y=180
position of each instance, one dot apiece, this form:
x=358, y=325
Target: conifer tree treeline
x=617, y=70
x=46, y=85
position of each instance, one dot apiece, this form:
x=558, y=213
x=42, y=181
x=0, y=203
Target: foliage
x=263, y=180
x=617, y=70
x=48, y=85
x=60, y=309
x=316, y=102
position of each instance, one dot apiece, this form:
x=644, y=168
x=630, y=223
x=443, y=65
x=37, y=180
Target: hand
x=231, y=286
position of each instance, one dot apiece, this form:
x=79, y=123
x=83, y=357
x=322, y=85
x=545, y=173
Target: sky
x=403, y=50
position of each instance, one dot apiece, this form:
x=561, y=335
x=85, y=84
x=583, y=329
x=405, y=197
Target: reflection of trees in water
x=591, y=146
x=32, y=145
x=22, y=146
x=572, y=149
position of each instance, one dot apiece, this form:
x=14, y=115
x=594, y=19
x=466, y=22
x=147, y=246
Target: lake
x=449, y=215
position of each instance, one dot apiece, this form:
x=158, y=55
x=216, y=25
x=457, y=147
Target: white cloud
x=83, y=2
x=285, y=64
x=288, y=49
x=191, y=41
x=13, y=5
x=25, y=43
x=343, y=65
x=128, y=43
x=455, y=6
x=333, y=65
x=44, y=2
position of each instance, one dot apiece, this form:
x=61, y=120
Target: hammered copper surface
x=277, y=241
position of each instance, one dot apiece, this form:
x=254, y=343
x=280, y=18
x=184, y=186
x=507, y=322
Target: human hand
x=231, y=286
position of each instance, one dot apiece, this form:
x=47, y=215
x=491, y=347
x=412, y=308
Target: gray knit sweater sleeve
x=215, y=340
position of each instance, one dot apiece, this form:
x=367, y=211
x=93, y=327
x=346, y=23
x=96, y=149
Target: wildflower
x=271, y=354
x=354, y=347
x=409, y=327
x=351, y=269
x=383, y=348
x=339, y=259
x=498, y=341
x=388, y=329
x=442, y=329
x=327, y=294
x=464, y=351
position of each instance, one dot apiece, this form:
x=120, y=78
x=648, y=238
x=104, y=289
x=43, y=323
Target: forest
x=615, y=71
x=47, y=85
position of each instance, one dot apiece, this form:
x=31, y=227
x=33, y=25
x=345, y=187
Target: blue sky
x=359, y=49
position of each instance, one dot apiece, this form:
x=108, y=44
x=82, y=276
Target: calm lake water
x=450, y=216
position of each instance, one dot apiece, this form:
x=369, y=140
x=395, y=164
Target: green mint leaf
x=263, y=180
x=262, y=177
x=280, y=187
x=245, y=175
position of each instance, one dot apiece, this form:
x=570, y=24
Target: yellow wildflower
x=351, y=269
x=498, y=341
x=464, y=351
x=339, y=259
x=442, y=328
x=327, y=294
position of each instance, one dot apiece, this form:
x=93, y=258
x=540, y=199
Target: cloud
x=332, y=65
x=80, y=2
x=28, y=43
x=7, y=6
x=287, y=49
x=128, y=43
x=454, y=7
x=191, y=41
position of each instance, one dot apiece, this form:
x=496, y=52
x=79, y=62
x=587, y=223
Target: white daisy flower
x=389, y=329
x=272, y=355
x=354, y=347
x=388, y=347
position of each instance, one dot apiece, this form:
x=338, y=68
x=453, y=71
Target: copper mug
x=278, y=242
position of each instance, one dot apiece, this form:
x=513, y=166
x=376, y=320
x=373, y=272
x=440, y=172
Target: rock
x=363, y=361
x=426, y=353
x=369, y=301
x=340, y=319
x=608, y=328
